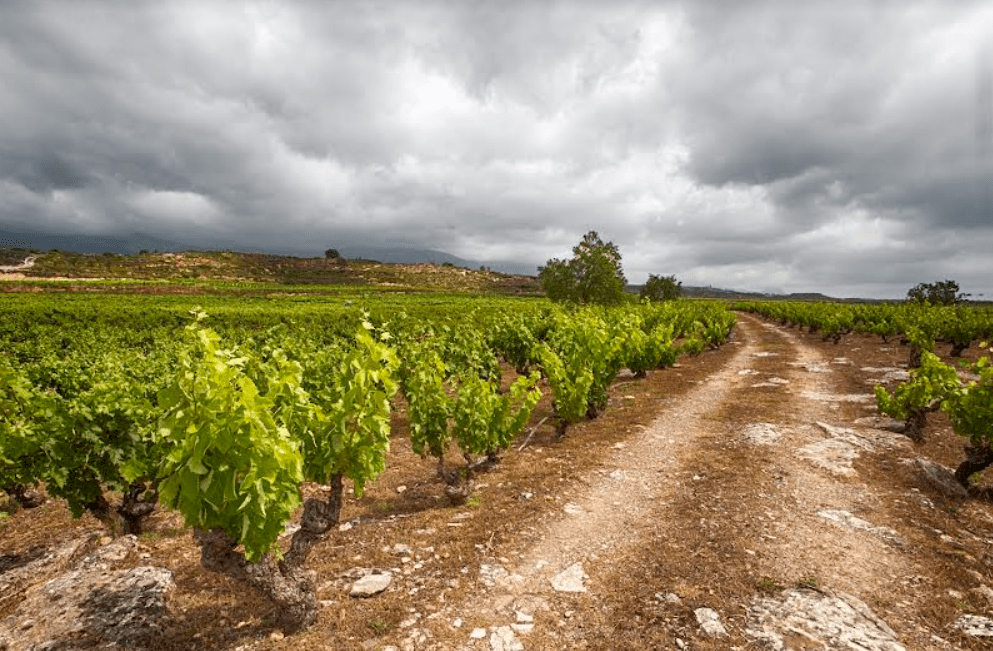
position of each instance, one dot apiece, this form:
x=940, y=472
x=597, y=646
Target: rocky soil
x=748, y=498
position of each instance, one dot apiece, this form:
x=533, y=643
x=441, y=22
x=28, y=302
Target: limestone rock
x=762, y=433
x=835, y=455
x=883, y=423
x=940, y=478
x=813, y=619
x=20, y=571
x=570, y=579
x=975, y=626
x=92, y=605
x=710, y=622
x=849, y=521
x=371, y=585
x=503, y=639
x=839, y=397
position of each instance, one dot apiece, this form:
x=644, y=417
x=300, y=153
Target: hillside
x=260, y=267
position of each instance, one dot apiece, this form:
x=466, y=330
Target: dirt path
x=742, y=498
x=27, y=264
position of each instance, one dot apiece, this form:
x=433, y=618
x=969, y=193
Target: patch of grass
x=807, y=581
x=768, y=585
x=380, y=626
x=474, y=501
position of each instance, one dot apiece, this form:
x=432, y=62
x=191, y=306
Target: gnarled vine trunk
x=958, y=348
x=27, y=497
x=136, y=504
x=978, y=458
x=915, y=424
x=285, y=582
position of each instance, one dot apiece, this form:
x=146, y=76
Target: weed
x=379, y=626
x=807, y=581
x=768, y=585
x=473, y=501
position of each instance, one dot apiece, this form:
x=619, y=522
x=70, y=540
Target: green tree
x=592, y=275
x=332, y=254
x=945, y=292
x=661, y=288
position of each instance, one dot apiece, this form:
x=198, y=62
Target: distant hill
x=227, y=266
x=137, y=242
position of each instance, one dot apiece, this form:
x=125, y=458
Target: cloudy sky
x=841, y=147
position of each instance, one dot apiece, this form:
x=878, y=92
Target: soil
x=695, y=488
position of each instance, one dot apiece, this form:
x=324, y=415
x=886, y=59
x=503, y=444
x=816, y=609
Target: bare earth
x=731, y=502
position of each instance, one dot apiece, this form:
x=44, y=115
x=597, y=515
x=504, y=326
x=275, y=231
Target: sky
x=760, y=145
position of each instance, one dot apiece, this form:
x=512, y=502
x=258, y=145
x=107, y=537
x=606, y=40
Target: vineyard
x=275, y=452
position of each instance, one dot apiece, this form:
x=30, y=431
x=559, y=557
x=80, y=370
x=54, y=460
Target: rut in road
x=741, y=478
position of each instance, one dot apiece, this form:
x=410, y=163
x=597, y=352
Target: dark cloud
x=759, y=144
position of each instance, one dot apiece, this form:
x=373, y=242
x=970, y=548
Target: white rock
x=818, y=621
x=371, y=585
x=710, y=622
x=570, y=579
x=503, y=639
x=762, y=433
x=478, y=633
x=850, y=521
x=975, y=626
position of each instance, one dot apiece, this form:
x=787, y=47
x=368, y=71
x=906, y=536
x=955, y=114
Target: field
x=752, y=477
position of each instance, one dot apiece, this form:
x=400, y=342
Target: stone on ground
x=570, y=579
x=941, y=478
x=710, y=622
x=371, y=585
x=975, y=626
x=762, y=433
x=810, y=619
x=93, y=605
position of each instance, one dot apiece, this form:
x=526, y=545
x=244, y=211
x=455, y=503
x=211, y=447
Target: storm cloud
x=761, y=145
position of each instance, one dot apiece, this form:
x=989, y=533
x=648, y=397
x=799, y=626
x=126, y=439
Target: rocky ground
x=747, y=499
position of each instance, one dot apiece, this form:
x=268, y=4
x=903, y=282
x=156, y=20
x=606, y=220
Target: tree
x=592, y=275
x=945, y=292
x=332, y=254
x=659, y=288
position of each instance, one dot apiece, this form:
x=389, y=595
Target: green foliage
x=592, y=275
x=332, y=254
x=515, y=340
x=650, y=350
x=349, y=430
x=26, y=418
x=970, y=406
x=929, y=384
x=661, y=288
x=570, y=378
x=486, y=421
x=230, y=464
x=471, y=410
x=944, y=292
x=429, y=405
